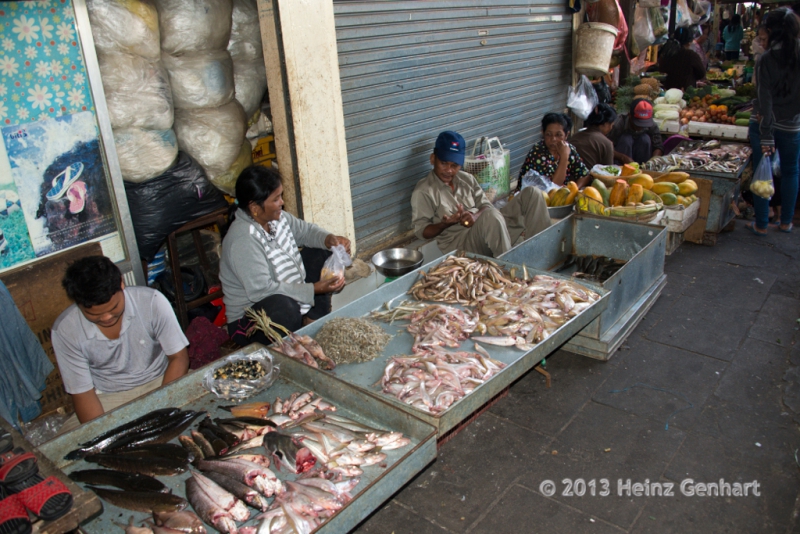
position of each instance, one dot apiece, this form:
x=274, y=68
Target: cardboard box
x=36, y=289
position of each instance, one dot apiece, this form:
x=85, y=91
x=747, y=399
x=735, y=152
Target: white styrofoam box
x=678, y=218
x=708, y=129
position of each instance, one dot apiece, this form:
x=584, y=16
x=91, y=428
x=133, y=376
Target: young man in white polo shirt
x=115, y=343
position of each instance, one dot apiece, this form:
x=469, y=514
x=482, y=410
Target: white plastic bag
x=335, y=265
x=540, y=181
x=125, y=26
x=212, y=136
x=643, y=29
x=761, y=184
x=144, y=154
x=582, y=98
x=194, y=26
x=226, y=181
x=250, y=82
x=684, y=16
x=238, y=389
x=203, y=80
x=137, y=91
x=245, y=42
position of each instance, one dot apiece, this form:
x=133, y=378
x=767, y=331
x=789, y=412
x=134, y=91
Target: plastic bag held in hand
x=582, y=98
x=335, y=265
x=534, y=179
x=761, y=184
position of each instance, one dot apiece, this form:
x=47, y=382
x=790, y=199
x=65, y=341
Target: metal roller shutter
x=410, y=69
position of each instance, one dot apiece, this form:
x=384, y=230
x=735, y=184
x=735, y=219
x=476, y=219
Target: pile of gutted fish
x=702, y=156
x=459, y=280
x=302, y=436
x=305, y=349
x=434, y=379
x=440, y=326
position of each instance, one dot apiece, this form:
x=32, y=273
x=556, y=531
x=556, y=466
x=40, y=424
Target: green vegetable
x=743, y=115
x=742, y=122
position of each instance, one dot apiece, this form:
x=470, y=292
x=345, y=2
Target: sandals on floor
x=752, y=228
x=14, y=517
x=787, y=230
x=48, y=498
x=17, y=465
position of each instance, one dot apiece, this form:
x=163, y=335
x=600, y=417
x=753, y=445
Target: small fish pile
x=352, y=340
x=305, y=349
x=597, y=268
x=158, y=426
x=460, y=280
x=702, y=156
x=241, y=370
x=531, y=311
x=440, y=326
x=306, y=504
x=403, y=311
x=435, y=379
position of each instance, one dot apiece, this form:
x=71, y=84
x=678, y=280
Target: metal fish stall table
x=366, y=375
x=633, y=288
x=377, y=483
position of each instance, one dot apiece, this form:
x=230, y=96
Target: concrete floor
x=715, y=360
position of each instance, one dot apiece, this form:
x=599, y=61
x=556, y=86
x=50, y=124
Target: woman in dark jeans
x=261, y=266
x=733, y=35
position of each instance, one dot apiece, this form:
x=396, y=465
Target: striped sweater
x=256, y=264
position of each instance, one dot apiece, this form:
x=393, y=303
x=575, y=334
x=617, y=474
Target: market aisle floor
x=706, y=388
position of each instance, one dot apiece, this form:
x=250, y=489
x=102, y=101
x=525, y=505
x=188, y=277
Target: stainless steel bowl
x=397, y=261
x=559, y=212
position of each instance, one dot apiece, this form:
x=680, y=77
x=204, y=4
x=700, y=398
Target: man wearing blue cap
x=450, y=206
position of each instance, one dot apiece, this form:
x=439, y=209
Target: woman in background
x=592, y=143
x=733, y=35
x=553, y=156
x=679, y=62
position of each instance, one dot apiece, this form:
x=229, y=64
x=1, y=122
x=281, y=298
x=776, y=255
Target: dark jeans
x=788, y=145
x=731, y=55
x=637, y=146
x=285, y=310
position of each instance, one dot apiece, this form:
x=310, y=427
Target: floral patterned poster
x=42, y=73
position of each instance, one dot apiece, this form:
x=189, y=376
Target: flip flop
x=63, y=180
x=48, y=498
x=6, y=441
x=17, y=465
x=752, y=228
x=13, y=517
x=784, y=230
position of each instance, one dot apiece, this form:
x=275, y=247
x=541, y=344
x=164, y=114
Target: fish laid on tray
x=440, y=326
x=460, y=280
x=434, y=379
x=304, y=349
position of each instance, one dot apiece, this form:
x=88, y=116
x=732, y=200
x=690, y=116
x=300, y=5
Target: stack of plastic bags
x=136, y=85
x=210, y=123
x=249, y=73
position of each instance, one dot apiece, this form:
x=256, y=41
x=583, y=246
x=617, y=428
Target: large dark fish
x=203, y=443
x=240, y=490
x=231, y=439
x=212, y=504
x=165, y=450
x=152, y=465
x=219, y=445
x=252, y=474
x=141, y=501
x=288, y=453
x=170, y=429
x=184, y=521
x=119, y=433
x=244, y=422
x=118, y=479
x=191, y=447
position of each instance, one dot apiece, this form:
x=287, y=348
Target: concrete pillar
x=299, y=41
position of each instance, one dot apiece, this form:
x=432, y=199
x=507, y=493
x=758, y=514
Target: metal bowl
x=559, y=212
x=397, y=261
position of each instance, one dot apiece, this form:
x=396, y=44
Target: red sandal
x=48, y=498
x=16, y=466
x=13, y=517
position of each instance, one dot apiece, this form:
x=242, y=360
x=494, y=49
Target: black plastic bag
x=167, y=202
x=603, y=91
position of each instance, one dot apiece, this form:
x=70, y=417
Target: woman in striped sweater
x=261, y=266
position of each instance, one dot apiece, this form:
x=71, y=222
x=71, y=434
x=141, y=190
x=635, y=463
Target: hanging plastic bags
x=761, y=184
x=643, y=29
x=684, y=16
x=582, y=98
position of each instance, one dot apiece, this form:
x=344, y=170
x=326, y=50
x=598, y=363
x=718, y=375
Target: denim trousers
x=788, y=146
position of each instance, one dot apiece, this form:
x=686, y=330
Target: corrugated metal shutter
x=410, y=69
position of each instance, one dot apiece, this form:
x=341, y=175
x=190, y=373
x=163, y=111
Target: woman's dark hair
x=92, y=280
x=602, y=114
x=783, y=27
x=255, y=184
x=736, y=20
x=557, y=118
x=680, y=38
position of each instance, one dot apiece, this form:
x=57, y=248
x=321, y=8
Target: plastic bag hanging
x=762, y=185
x=582, y=98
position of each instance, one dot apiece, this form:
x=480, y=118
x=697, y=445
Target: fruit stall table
x=706, y=130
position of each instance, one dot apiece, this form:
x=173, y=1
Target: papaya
x=559, y=197
x=602, y=189
x=593, y=193
x=645, y=180
x=669, y=199
x=629, y=170
x=619, y=193
x=573, y=191
x=687, y=187
x=648, y=195
x=635, y=194
x=675, y=177
x=665, y=187
x=546, y=197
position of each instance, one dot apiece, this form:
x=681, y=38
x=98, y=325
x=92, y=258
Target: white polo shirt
x=89, y=360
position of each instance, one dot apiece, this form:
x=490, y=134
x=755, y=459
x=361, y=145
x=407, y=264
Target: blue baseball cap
x=450, y=146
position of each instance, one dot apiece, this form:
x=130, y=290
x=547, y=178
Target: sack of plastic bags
x=144, y=154
x=226, y=181
x=335, y=265
x=165, y=203
x=194, y=26
x=245, y=42
x=539, y=181
x=212, y=136
x=137, y=91
x=125, y=26
x=250, y=82
x=761, y=184
x=582, y=98
x=203, y=80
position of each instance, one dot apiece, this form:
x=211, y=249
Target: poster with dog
x=57, y=167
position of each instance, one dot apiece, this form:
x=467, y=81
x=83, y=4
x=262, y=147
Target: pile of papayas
x=637, y=194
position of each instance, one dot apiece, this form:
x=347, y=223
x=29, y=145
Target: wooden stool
x=217, y=217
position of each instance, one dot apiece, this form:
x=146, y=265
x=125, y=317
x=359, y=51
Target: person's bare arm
x=468, y=218
x=619, y=156
x=87, y=405
x=560, y=177
x=432, y=230
x=177, y=367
